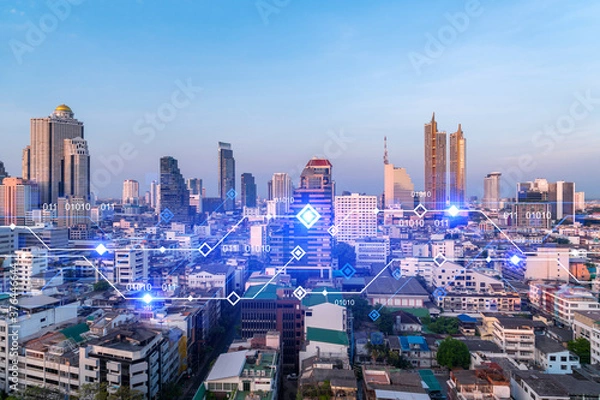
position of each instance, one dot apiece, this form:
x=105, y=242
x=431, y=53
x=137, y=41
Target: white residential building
x=553, y=358
x=515, y=336
x=27, y=263
x=355, y=217
x=372, y=251
x=586, y=324
x=131, y=265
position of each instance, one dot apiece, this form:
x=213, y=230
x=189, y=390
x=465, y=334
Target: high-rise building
x=3, y=173
x=131, y=192
x=17, y=198
x=491, y=191
x=458, y=167
x=579, y=201
x=154, y=195
x=44, y=159
x=562, y=200
x=76, y=170
x=227, y=176
x=309, y=230
x=131, y=265
x=27, y=263
x=435, y=166
x=398, y=188
x=174, y=195
x=194, y=185
x=355, y=217
x=248, y=190
x=282, y=192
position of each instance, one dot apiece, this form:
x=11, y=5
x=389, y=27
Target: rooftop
x=327, y=336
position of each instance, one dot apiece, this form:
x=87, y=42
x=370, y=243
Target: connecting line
x=104, y=277
x=377, y=276
x=556, y=226
x=271, y=280
x=225, y=237
x=500, y=230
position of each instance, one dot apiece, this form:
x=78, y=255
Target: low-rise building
x=586, y=324
x=554, y=358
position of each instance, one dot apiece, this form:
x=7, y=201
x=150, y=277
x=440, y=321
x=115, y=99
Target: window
x=552, y=358
x=563, y=358
x=563, y=367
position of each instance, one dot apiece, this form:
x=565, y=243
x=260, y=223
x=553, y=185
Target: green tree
x=171, y=391
x=93, y=391
x=385, y=323
x=453, y=353
x=581, y=347
x=37, y=393
x=101, y=286
x=344, y=253
x=443, y=325
x=125, y=393
x=360, y=310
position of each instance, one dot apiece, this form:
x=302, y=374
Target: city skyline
x=471, y=82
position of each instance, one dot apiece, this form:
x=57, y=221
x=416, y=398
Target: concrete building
x=586, y=324
x=44, y=158
x=27, y=263
x=173, y=194
x=515, y=336
x=371, y=251
x=281, y=193
x=491, y=191
x=227, y=176
x=435, y=166
x=553, y=358
x=398, y=188
x=248, y=190
x=548, y=264
x=131, y=265
x=561, y=301
x=458, y=168
x=355, y=217
x=17, y=198
x=242, y=373
x=131, y=192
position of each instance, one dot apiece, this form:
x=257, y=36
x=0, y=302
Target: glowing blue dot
x=453, y=211
x=515, y=260
x=147, y=298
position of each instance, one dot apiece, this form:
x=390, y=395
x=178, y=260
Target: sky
x=286, y=80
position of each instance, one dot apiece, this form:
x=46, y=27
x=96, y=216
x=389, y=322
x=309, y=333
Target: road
x=191, y=385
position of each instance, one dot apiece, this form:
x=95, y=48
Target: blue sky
x=278, y=85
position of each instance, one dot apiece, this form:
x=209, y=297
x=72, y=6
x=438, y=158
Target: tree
x=443, y=325
x=93, y=391
x=344, y=253
x=581, y=347
x=171, y=391
x=101, y=286
x=385, y=322
x=453, y=353
x=125, y=393
x=37, y=393
x=360, y=310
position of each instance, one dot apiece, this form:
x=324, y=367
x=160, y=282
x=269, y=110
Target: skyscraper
x=398, y=188
x=154, y=194
x=248, y=190
x=227, y=176
x=76, y=170
x=3, y=173
x=562, y=200
x=194, y=185
x=174, y=195
x=309, y=231
x=435, y=166
x=131, y=192
x=491, y=191
x=17, y=197
x=458, y=167
x=44, y=159
x=282, y=192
